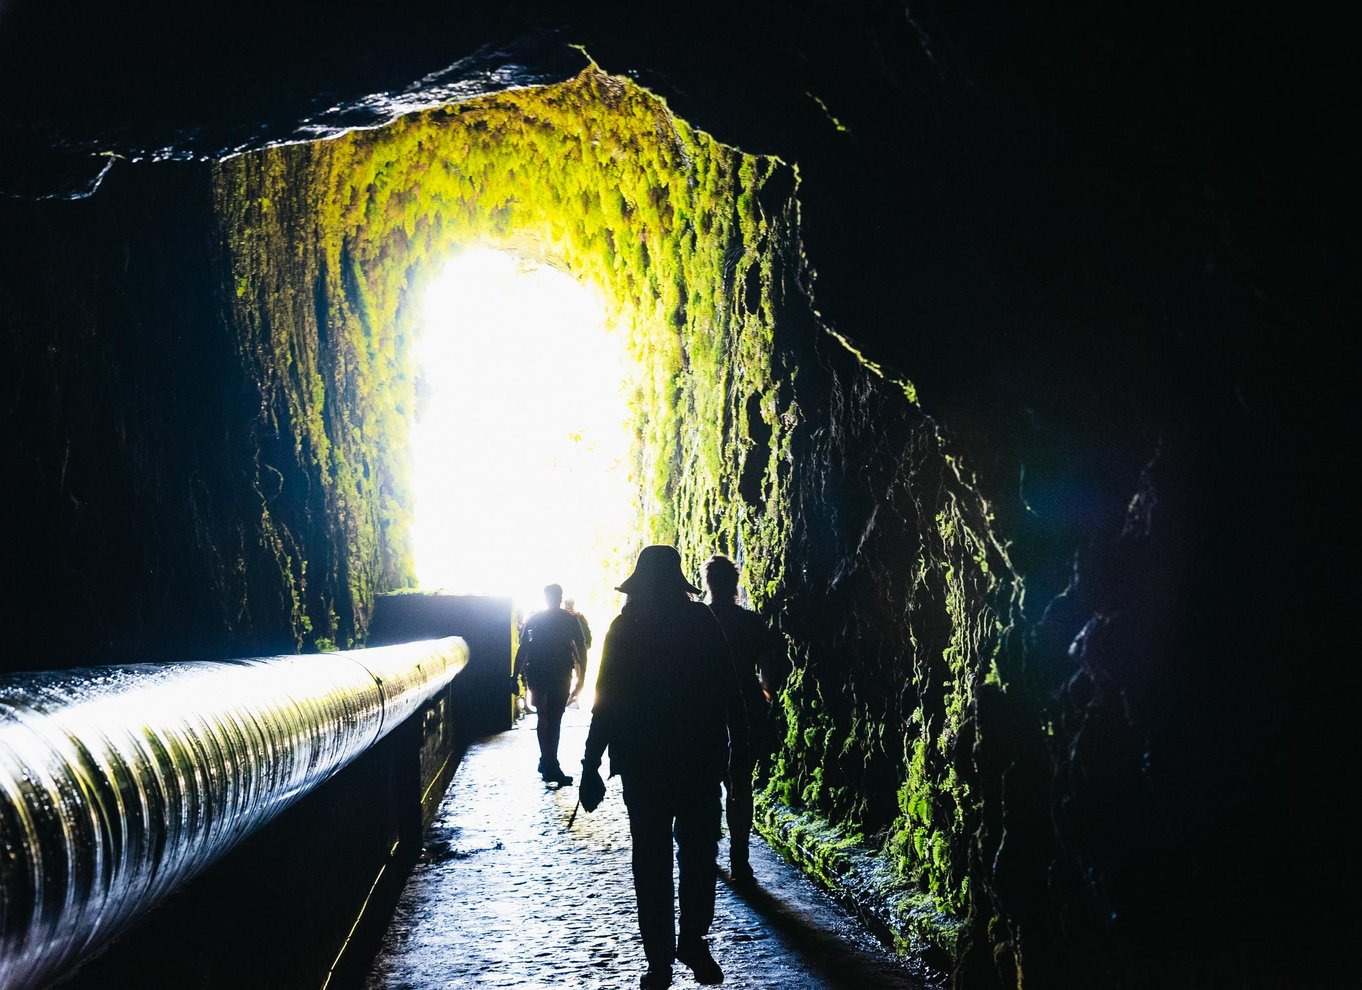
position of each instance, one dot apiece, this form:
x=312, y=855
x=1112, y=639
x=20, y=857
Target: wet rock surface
x=506, y=895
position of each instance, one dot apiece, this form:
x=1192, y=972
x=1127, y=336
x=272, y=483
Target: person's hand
x=592, y=788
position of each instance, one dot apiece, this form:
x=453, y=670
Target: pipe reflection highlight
x=118, y=784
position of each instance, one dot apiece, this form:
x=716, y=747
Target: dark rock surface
x=1105, y=245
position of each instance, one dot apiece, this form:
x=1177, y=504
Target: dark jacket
x=668, y=702
x=551, y=644
x=758, y=653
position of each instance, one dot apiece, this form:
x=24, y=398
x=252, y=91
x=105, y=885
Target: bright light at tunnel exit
x=522, y=440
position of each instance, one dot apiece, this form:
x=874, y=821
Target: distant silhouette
x=570, y=607
x=552, y=650
x=669, y=709
x=759, y=657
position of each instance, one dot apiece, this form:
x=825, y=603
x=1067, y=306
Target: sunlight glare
x=522, y=440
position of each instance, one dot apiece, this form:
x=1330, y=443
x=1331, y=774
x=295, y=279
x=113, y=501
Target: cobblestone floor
x=505, y=896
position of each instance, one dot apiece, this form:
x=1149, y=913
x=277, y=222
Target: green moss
x=331, y=245
x=330, y=248
x=863, y=878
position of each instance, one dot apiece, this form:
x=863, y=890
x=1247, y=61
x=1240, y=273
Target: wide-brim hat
x=658, y=569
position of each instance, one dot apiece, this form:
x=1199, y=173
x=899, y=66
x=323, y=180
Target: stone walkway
x=506, y=897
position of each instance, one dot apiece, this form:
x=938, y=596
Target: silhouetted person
x=570, y=607
x=551, y=651
x=758, y=656
x=669, y=710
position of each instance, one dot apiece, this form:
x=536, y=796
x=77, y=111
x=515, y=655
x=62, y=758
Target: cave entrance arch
x=692, y=243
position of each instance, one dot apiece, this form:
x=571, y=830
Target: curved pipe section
x=118, y=784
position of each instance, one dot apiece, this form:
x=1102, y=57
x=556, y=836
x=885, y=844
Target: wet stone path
x=504, y=896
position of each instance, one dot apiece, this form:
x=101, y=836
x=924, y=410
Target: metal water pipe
x=119, y=784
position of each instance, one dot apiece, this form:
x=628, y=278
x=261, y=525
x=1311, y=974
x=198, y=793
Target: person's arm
x=578, y=671
x=592, y=788
x=603, y=710
x=578, y=650
x=735, y=709
x=773, y=664
x=518, y=666
x=579, y=644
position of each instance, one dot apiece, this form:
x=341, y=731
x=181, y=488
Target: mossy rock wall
x=213, y=388
x=332, y=243
x=902, y=609
x=760, y=434
x=131, y=534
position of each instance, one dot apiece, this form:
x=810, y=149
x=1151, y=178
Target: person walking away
x=570, y=606
x=669, y=711
x=758, y=655
x=552, y=652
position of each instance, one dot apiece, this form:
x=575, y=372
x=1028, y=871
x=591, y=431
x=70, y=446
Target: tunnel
x=1004, y=349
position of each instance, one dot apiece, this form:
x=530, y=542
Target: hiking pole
x=573, y=817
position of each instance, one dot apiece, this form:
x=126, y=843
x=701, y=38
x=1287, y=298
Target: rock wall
x=132, y=535
x=1030, y=359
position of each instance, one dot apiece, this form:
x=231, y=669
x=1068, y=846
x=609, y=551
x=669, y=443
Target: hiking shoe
x=558, y=777
x=656, y=978
x=741, y=875
x=696, y=956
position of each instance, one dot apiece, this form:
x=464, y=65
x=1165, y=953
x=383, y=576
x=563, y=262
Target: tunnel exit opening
x=522, y=446
x=687, y=241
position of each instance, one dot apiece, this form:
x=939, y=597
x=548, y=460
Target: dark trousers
x=738, y=783
x=550, y=701
x=690, y=814
x=738, y=805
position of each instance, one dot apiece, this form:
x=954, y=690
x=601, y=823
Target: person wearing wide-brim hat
x=658, y=570
x=669, y=710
